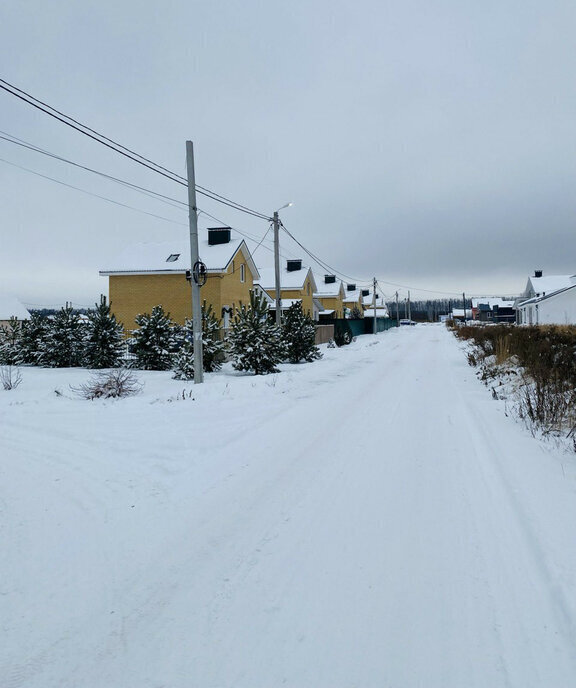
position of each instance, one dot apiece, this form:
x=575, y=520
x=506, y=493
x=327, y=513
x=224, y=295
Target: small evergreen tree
x=64, y=340
x=155, y=341
x=300, y=335
x=213, y=347
x=11, y=352
x=104, y=343
x=184, y=362
x=34, y=332
x=355, y=313
x=255, y=343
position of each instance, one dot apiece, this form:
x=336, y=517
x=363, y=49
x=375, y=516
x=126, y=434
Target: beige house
x=330, y=293
x=148, y=275
x=296, y=283
x=352, y=299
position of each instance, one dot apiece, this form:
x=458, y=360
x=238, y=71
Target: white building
x=557, y=308
x=548, y=300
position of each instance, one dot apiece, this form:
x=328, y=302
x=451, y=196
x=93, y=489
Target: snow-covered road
x=370, y=520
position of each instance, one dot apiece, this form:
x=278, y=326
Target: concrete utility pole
x=277, y=269
x=464, y=302
x=409, y=311
x=397, y=312
x=194, y=260
x=374, y=329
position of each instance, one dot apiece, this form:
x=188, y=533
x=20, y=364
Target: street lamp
x=277, y=264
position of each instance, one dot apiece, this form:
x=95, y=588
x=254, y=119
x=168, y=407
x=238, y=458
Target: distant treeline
x=423, y=311
x=45, y=312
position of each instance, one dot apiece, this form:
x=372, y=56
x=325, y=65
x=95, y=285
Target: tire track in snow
x=516, y=553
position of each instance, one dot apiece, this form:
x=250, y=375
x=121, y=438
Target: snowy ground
x=373, y=519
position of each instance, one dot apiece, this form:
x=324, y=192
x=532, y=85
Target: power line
x=429, y=291
x=121, y=149
x=357, y=280
x=89, y=193
x=136, y=187
x=320, y=262
x=159, y=169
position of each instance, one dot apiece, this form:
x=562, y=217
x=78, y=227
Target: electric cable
x=25, y=144
x=90, y=193
x=121, y=149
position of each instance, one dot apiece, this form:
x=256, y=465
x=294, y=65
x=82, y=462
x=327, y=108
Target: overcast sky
x=431, y=144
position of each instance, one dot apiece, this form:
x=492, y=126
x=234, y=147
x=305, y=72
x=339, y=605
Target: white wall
x=557, y=310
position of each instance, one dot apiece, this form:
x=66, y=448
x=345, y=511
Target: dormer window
x=173, y=257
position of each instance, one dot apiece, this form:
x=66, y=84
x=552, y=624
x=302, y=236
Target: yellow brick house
x=352, y=299
x=152, y=274
x=297, y=283
x=330, y=293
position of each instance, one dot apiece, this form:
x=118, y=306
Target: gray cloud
x=430, y=144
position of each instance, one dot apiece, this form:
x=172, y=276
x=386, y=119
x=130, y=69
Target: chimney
x=329, y=279
x=365, y=292
x=294, y=265
x=218, y=235
x=537, y=273
x=350, y=287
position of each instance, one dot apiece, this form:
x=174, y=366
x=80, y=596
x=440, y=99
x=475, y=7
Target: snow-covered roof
x=174, y=256
x=327, y=311
x=352, y=296
x=10, y=307
x=284, y=304
x=491, y=302
x=367, y=300
x=380, y=313
x=324, y=290
x=547, y=284
x=294, y=279
x=538, y=299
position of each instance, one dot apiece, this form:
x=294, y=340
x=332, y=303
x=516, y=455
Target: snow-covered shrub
x=10, y=377
x=34, y=332
x=184, y=363
x=548, y=406
x=299, y=335
x=104, y=341
x=112, y=384
x=155, y=341
x=255, y=343
x=213, y=348
x=11, y=343
x=64, y=340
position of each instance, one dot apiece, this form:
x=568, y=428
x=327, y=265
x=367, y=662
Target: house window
x=242, y=273
x=308, y=290
x=173, y=257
